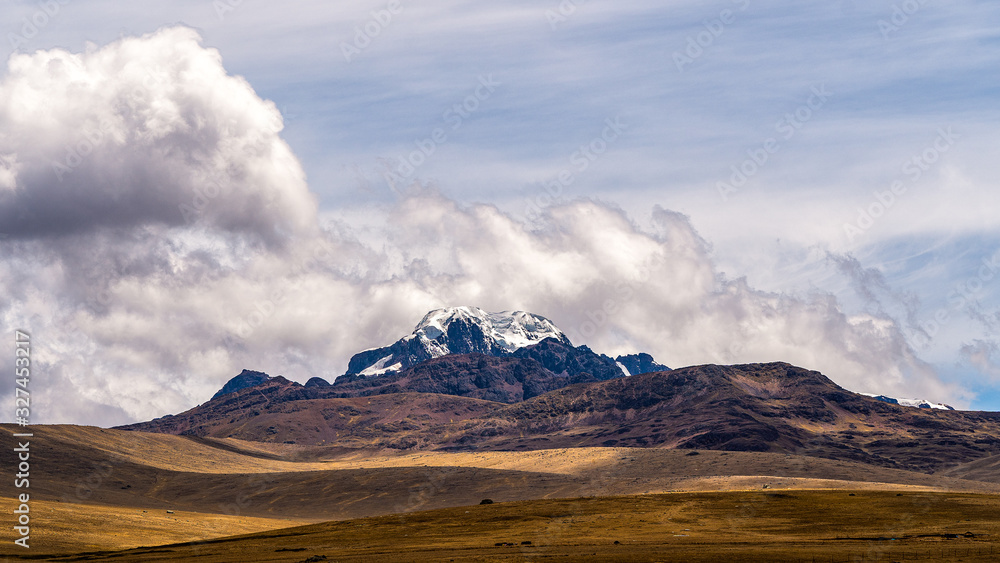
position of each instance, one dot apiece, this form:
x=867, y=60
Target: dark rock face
x=638, y=364
x=528, y=372
x=565, y=360
x=269, y=393
x=485, y=372
x=505, y=380
x=462, y=337
x=245, y=379
x=466, y=337
x=406, y=352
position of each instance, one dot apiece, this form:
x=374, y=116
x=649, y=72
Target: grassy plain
x=744, y=526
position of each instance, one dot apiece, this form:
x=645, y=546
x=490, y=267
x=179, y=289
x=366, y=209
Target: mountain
x=457, y=330
x=637, y=364
x=565, y=360
x=503, y=380
x=775, y=407
x=283, y=411
x=245, y=379
x=317, y=382
x=467, y=330
x=528, y=372
x=466, y=379
x=918, y=403
x=464, y=351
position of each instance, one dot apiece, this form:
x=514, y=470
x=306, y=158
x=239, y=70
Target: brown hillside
x=756, y=407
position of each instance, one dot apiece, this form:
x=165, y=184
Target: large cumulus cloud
x=621, y=288
x=165, y=333
x=138, y=311
x=146, y=130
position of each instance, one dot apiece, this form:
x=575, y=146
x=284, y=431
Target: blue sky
x=697, y=88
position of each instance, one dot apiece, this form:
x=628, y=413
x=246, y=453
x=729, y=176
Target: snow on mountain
x=636, y=364
x=916, y=403
x=506, y=330
x=458, y=330
x=379, y=367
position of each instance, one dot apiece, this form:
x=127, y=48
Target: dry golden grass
x=657, y=469
x=68, y=527
x=166, y=451
x=749, y=527
x=276, y=485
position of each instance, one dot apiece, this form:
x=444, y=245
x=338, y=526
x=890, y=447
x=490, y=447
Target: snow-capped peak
x=916, y=403
x=506, y=331
x=457, y=330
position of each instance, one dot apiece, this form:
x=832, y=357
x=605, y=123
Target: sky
x=193, y=188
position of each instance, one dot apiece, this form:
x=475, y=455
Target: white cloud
x=167, y=335
x=983, y=356
x=137, y=313
x=147, y=130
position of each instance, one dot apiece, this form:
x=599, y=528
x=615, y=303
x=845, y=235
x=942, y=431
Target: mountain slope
x=565, y=360
x=755, y=407
x=283, y=411
x=245, y=379
x=529, y=371
x=158, y=487
x=505, y=380
x=918, y=403
x=638, y=364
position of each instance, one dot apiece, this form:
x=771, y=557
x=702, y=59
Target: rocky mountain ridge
x=457, y=330
x=773, y=407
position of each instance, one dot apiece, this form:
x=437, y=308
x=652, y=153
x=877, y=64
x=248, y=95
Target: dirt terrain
x=776, y=407
x=161, y=488
x=760, y=462
x=760, y=526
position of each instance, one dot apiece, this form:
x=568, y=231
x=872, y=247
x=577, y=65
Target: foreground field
x=100, y=490
x=67, y=527
x=760, y=526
